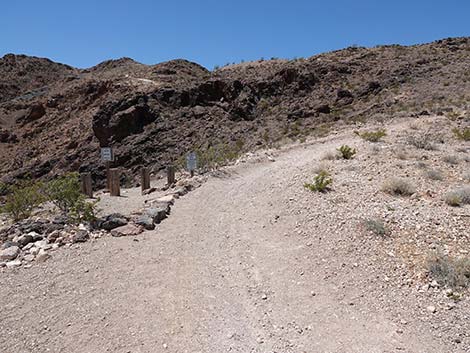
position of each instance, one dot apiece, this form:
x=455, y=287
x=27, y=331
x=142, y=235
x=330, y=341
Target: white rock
x=28, y=246
x=431, y=308
x=9, y=253
x=42, y=256
x=28, y=258
x=14, y=263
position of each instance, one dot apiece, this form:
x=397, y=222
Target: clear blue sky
x=86, y=32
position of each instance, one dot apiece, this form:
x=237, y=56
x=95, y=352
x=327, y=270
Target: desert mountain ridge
x=54, y=118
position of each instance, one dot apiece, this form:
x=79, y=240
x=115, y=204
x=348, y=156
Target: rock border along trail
x=248, y=262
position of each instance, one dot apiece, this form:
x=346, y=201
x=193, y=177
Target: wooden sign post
x=145, y=176
x=170, y=175
x=114, y=179
x=86, y=187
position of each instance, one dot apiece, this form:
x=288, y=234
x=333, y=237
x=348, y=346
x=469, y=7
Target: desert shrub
x=458, y=197
x=421, y=165
x=263, y=105
x=423, y=141
x=213, y=157
x=372, y=136
x=449, y=271
x=64, y=192
x=329, y=155
x=322, y=167
x=3, y=188
x=346, y=152
x=376, y=226
x=320, y=183
x=466, y=176
x=434, y=174
x=22, y=199
x=462, y=134
x=401, y=153
x=451, y=159
x=398, y=186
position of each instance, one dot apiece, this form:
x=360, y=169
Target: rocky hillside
x=54, y=118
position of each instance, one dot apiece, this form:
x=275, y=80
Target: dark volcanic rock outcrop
x=54, y=118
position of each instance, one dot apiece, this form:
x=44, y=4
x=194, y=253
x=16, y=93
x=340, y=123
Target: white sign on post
x=107, y=154
x=191, y=161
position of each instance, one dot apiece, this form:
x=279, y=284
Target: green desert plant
x=22, y=199
x=372, y=136
x=398, y=186
x=320, y=183
x=346, y=152
x=462, y=134
x=64, y=192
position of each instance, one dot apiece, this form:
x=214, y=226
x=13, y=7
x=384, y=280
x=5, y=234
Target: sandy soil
x=249, y=262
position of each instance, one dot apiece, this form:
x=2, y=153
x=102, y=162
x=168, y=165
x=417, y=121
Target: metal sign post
x=107, y=156
x=191, y=162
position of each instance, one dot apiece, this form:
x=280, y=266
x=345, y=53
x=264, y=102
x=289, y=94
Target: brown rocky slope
x=53, y=118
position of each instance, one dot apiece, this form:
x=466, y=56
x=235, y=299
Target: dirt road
x=240, y=266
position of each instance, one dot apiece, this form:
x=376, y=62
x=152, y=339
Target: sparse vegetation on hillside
x=213, y=157
x=372, y=136
x=63, y=192
x=434, y=174
x=449, y=271
x=346, y=152
x=321, y=182
x=423, y=141
x=398, y=186
x=451, y=159
x=22, y=199
x=462, y=134
x=458, y=197
x=376, y=226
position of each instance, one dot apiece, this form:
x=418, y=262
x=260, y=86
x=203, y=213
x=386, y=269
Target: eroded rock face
x=55, y=118
x=35, y=112
x=117, y=121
